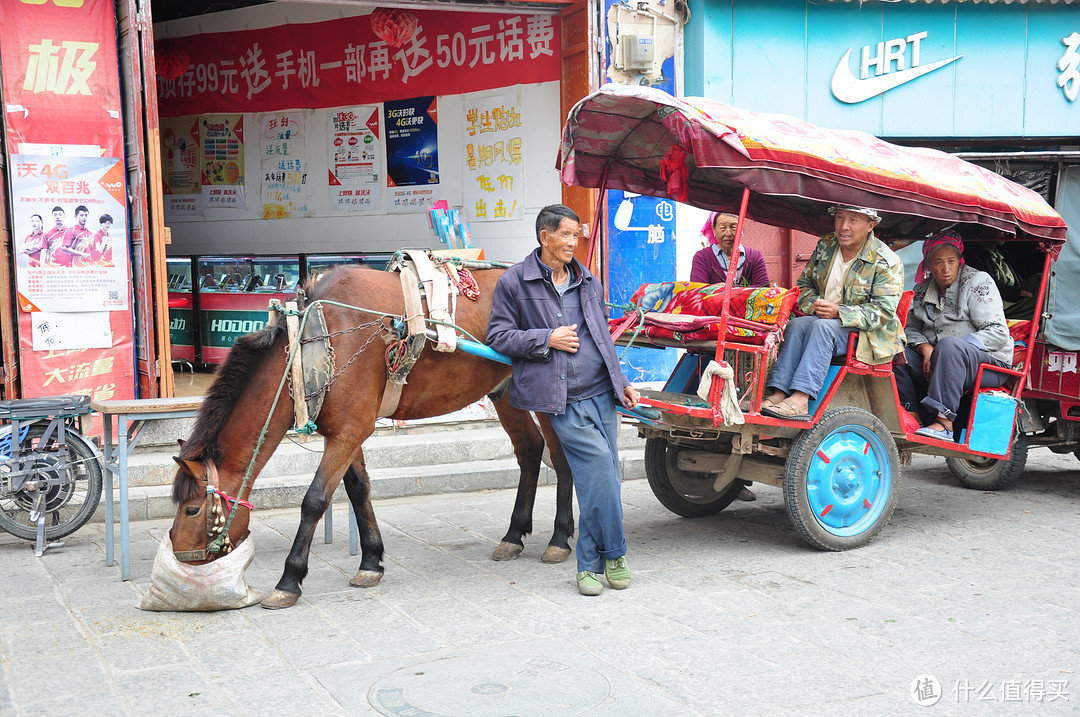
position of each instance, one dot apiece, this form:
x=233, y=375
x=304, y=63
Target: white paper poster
x=493, y=176
x=84, y=330
x=284, y=165
x=356, y=159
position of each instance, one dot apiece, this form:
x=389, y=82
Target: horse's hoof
x=279, y=599
x=366, y=579
x=507, y=551
x=555, y=554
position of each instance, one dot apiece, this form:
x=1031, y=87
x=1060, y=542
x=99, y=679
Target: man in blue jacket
x=548, y=315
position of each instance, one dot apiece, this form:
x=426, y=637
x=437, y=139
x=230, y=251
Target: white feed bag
x=217, y=585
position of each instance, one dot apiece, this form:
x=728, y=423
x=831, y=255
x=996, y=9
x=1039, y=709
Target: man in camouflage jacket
x=853, y=282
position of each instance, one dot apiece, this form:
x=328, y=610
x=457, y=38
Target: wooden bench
x=132, y=416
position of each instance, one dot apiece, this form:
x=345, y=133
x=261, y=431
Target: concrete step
x=473, y=456
x=151, y=502
x=387, y=448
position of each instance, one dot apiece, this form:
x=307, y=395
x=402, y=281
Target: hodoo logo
x=890, y=65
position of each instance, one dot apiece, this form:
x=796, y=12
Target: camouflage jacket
x=872, y=291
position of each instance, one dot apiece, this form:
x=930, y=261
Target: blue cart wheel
x=841, y=479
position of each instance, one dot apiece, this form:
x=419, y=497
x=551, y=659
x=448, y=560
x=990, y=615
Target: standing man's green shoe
x=617, y=574
x=588, y=584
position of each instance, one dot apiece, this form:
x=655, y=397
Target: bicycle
x=51, y=475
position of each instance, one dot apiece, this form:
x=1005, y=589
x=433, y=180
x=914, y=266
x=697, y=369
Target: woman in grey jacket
x=956, y=322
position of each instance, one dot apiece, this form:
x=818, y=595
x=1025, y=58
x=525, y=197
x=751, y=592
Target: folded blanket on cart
x=1018, y=330
x=689, y=311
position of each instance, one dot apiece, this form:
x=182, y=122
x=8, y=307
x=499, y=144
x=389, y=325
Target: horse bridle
x=215, y=519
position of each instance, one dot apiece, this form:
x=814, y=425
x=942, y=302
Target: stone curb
x=153, y=502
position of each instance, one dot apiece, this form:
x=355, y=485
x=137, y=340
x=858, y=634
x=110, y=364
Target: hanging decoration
x=171, y=59
x=673, y=171
x=393, y=25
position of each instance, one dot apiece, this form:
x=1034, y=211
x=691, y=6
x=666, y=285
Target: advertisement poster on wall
x=223, y=160
x=180, y=162
x=412, y=154
x=284, y=165
x=66, y=256
x=493, y=176
x=65, y=148
x=355, y=159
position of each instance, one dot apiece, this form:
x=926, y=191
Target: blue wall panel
x=990, y=77
x=770, y=63
x=1046, y=110
x=641, y=252
x=831, y=27
x=905, y=112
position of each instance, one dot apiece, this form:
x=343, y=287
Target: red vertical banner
x=65, y=142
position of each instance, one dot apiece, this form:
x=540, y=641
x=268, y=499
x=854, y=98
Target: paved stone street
x=732, y=614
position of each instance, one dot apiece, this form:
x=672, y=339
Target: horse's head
x=198, y=531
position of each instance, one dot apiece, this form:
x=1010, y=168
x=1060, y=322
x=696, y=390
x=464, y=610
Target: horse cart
x=839, y=471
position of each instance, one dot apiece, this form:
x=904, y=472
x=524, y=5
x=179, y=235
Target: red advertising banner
x=61, y=75
x=65, y=144
x=101, y=374
x=328, y=64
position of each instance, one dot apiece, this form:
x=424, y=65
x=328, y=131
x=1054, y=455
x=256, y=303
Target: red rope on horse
x=229, y=499
x=394, y=353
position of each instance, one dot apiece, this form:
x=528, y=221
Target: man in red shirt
x=35, y=241
x=101, y=246
x=76, y=248
x=54, y=238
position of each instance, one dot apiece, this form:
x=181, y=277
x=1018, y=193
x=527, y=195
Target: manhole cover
x=496, y=685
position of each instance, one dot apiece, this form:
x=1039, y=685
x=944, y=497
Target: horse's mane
x=247, y=355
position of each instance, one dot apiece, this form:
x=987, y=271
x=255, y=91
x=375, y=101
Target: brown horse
x=227, y=429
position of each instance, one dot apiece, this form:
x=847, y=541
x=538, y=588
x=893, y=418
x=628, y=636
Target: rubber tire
x=63, y=514
x=991, y=473
x=833, y=433
x=671, y=485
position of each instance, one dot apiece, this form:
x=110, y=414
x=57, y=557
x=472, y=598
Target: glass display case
x=181, y=308
x=315, y=265
x=234, y=293
x=248, y=274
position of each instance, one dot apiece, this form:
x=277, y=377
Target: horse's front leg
x=316, y=501
x=358, y=486
x=558, y=548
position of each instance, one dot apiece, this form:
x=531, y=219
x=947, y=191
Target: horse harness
x=437, y=281
x=421, y=278
x=215, y=519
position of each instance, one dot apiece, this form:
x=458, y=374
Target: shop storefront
x=260, y=145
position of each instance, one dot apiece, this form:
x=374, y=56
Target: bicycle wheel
x=69, y=502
